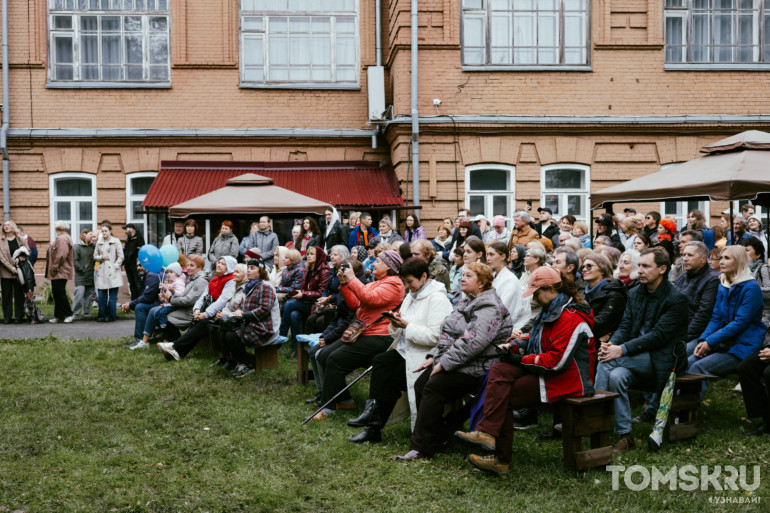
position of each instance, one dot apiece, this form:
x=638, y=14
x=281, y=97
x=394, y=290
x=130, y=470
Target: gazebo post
x=732, y=225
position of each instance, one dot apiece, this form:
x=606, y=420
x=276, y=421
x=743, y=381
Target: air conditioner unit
x=375, y=80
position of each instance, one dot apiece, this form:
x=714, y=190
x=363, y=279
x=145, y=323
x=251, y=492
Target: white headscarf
x=330, y=224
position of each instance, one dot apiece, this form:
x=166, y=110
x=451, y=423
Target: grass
x=87, y=426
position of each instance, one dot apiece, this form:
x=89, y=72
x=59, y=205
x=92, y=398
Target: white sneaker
x=162, y=346
x=69, y=319
x=53, y=321
x=170, y=353
x=140, y=345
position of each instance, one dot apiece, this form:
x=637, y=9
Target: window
x=299, y=42
x=525, y=32
x=680, y=209
x=137, y=185
x=564, y=188
x=109, y=41
x=717, y=31
x=489, y=190
x=73, y=199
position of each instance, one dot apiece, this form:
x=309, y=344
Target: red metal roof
x=341, y=183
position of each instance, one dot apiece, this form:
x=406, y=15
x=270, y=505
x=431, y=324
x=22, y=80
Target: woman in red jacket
x=555, y=362
x=339, y=359
x=300, y=302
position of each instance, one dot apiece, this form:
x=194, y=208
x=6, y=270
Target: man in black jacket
x=641, y=351
x=134, y=241
x=546, y=227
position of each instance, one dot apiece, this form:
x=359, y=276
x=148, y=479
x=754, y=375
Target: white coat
x=108, y=275
x=509, y=288
x=425, y=313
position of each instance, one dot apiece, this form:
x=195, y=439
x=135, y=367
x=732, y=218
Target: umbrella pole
x=767, y=227
x=732, y=225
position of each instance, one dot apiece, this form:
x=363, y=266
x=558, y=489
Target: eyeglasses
x=587, y=267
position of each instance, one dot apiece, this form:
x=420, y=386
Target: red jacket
x=564, y=366
x=372, y=299
x=315, y=280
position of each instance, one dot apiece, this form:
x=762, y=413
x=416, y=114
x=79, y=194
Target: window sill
x=300, y=85
x=738, y=66
x=108, y=85
x=581, y=68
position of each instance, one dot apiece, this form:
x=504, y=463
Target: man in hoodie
x=263, y=241
x=363, y=233
x=84, y=274
x=143, y=303
x=134, y=241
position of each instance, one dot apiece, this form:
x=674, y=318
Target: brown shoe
x=625, y=443
x=348, y=406
x=489, y=464
x=480, y=438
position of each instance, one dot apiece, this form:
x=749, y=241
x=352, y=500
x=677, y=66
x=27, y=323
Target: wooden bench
x=587, y=418
x=266, y=357
x=683, y=416
x=304, y=373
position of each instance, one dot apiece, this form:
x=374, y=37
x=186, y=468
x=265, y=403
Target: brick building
x=542, y=101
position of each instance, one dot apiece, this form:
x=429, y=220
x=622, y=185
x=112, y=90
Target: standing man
x=178, y=233
x=363, y=233
x=60, y=267
x=739, y=232
x=546, y=227
x=263, y=241
x=522, y=232
x=134, y=241
x=333, y=231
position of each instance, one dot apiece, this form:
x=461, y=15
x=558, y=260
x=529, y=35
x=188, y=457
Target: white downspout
x=415, y=117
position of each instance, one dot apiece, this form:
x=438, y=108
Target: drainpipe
x=6, y=119
x=415, y=117
x=378, y=52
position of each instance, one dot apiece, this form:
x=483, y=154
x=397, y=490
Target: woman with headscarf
x=225, y=244
x=322, y=310
x=360, y=253
x=517, y=254
x=333, y=232
x=370, y=300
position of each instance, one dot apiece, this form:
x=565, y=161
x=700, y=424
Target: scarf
x=591, y=292
x=250, y=286
x=363, y=230
x=362, y=254
x=549, y=313
x=217, y=284
x=664, y=236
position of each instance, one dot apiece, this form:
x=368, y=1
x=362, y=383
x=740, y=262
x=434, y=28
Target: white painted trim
x=510, y=191
x=586, y=191
x=52, y=197
x=129, y=196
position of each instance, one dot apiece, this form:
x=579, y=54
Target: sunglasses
x=588, y=267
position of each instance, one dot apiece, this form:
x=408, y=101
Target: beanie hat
x=498, y=221
x=175, y=267
x=668, y=225
x=392, y=259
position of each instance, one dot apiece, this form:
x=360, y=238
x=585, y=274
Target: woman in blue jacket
x=736, y=330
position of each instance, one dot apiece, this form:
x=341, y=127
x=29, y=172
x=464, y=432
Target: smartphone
x=388, y=314
x=529, y=204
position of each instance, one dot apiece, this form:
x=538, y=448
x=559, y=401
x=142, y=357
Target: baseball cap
x=545, y=209
x=542, y=277
x=129, y=225
x=629, y=209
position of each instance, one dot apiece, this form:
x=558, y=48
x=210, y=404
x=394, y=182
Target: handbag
x=353, y=331
x=207, y=301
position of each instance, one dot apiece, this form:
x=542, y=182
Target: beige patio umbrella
x=249, y=194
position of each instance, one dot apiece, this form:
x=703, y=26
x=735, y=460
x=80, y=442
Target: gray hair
x=603, y=240
x=63, y=226
x=741, y=220
x=573, y=243
x=570, y=257
x=613, y=254
x=342, y=250
x=700, y=248
x=634, y=254
x=524, y=215
x=539, y=254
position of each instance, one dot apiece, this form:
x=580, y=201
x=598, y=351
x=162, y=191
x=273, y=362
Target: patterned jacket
x=292, y=277
x=257, y=306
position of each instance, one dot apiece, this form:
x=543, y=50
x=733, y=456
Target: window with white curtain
x=717, y=31
x=525, y=32
x=137, y=185
x=564, y=188
x=73, y=199
x=296, y=42
x=489, y=190
x=109, y=41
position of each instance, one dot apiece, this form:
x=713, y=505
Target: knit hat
x=498, y=221
x=668, y=225
x=175, y=267
x=230, y=262
x=256, y=262
x=542, y=277
x=605, y=220
x=392, y=259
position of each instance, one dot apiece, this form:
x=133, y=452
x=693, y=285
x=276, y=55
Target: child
x=456, y=271
x=174, y=283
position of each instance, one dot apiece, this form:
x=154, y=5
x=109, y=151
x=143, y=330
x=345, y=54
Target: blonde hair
x=741, y=258
x=632, y=225
x=386, y=221
x=483, y=272
x=382, y=246
x=282, y=250
x=294, y=256
x=580, y=225
x=14, y=228
x=242, y=268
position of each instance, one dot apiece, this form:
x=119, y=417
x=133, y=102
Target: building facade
x=541, y=101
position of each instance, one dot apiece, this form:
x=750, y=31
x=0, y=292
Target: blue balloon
x=169, y=254
x=149, y=257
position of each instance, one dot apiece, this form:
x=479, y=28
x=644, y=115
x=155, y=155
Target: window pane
x=489, y=180
x=575, y=205
x=72, y=187
x=552, y=202
x=62, y=22
x=136, y=206
x=476, y=205
x=564, y=179
x=159, y=73
x=63, y=211
x=500, y=205
x=111, y=23
x=158, y=49
x=85, y=210
x=63, y=50
x=473, y=31
x=669, y=208
x=133, y=49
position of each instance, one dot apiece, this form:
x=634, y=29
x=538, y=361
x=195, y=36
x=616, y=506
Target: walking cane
x=338, y=394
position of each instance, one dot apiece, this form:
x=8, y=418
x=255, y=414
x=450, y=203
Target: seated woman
x=516, y=257
x=292, y=274
x=172, y=286
x=468, y=341
x=544, y=368
x=456, y=270
x=221, y=288
x=276, y=273
x=507, y=285
x=300, y=302
x=605, y=295
x=415, y=331
x=756, y=395
x=443, y=241
x=370, y=300
x=473, y=251
x=627, y=271
x=182, y=314
x=323, y=309
x=258, y=312
x=736, y=330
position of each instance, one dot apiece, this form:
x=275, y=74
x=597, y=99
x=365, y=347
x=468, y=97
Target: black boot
x=371, y=434
x=366, y=417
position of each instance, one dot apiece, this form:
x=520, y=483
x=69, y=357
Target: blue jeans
x=653, y=400
x=715, y=364
x=108, y=301
x=618, y=376
x=156, y=315
x=141, y=310
x=294, y=312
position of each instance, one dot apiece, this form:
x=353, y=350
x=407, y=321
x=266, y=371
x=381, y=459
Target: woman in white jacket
x=108, y=255
x=507, y=285
x=415, y=331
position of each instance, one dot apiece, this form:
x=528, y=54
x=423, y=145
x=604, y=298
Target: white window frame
x=510, y=190
x=760, y=57
x=585, y=192
x=486, y=13
x=52, y=198
x=130, y=198
x=759, y=210
x=107, y=8
x=263, y=33
x=682, y=208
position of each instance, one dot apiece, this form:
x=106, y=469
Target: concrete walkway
x=121, y=328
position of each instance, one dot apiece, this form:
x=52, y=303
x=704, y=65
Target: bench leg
x=303, y=362
x=265, y=357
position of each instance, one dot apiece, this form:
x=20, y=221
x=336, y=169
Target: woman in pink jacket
x=386, y=293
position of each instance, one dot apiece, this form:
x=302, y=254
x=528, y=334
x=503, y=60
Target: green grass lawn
x=88, y=426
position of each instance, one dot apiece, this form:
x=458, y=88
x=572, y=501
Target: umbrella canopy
x=249, y=194
x=734, y=168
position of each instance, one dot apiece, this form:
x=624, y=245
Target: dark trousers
x=12, y=293
x=318, y=322
x=132, y=275
x=432, y=394
x=341, y=359
x=187, y=342
x=509, y=387
x=388, y=381
x=61, y=301
x=172, y=333
x=237, y=349
x=756, y=396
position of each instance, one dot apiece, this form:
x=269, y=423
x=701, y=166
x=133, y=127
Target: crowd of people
x=512, y=318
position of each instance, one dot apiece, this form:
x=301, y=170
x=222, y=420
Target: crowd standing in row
x=516, y=318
